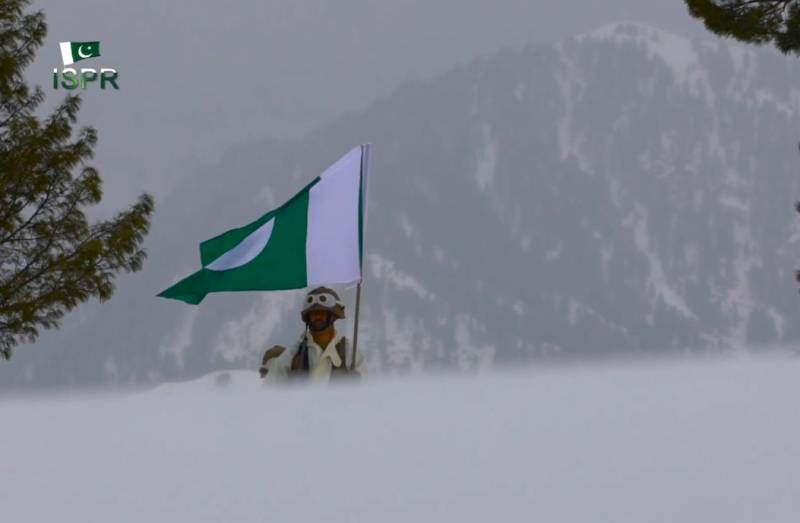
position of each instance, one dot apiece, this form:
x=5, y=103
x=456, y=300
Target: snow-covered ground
x=710, y=442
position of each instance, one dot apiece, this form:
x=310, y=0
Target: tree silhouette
x=51, y=258
x=752, y=21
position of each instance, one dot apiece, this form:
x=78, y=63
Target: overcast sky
x=196, y=76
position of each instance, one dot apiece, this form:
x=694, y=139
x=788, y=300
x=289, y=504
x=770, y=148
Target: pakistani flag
x=313, y=239
x=72, y=52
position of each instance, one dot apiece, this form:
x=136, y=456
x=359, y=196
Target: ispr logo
x=70, y=78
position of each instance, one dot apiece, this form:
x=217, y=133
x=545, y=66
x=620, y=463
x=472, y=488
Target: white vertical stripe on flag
x=332, y=248
x=66, y=53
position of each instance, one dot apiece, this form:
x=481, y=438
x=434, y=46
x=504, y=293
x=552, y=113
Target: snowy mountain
x=689, y=443
x=623, y=191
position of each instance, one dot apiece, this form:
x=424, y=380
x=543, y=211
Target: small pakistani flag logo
x=72, y=52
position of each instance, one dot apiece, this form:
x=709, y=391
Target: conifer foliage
x=753, y=21
x=51, y=257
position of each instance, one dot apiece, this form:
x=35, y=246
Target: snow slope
x=691, y=442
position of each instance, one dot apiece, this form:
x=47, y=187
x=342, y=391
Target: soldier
x=321, y=353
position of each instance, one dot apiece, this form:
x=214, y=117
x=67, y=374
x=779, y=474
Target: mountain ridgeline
x=622, y=191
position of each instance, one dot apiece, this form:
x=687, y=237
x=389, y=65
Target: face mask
x=322, y=326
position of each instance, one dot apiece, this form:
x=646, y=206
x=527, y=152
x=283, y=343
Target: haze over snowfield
x=717, y=442
x=625, y=190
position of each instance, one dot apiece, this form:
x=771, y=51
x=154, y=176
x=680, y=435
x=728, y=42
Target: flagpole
x=355, y=327
x=365, y=153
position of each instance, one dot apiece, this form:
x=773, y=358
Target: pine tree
x=51, y=258
x=752, y=21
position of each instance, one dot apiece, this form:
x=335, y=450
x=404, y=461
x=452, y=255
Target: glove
x=262, y=371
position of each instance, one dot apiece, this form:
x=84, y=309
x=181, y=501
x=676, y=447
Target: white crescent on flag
x=246, y=251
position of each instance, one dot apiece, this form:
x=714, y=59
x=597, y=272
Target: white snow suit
x=322, y=364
